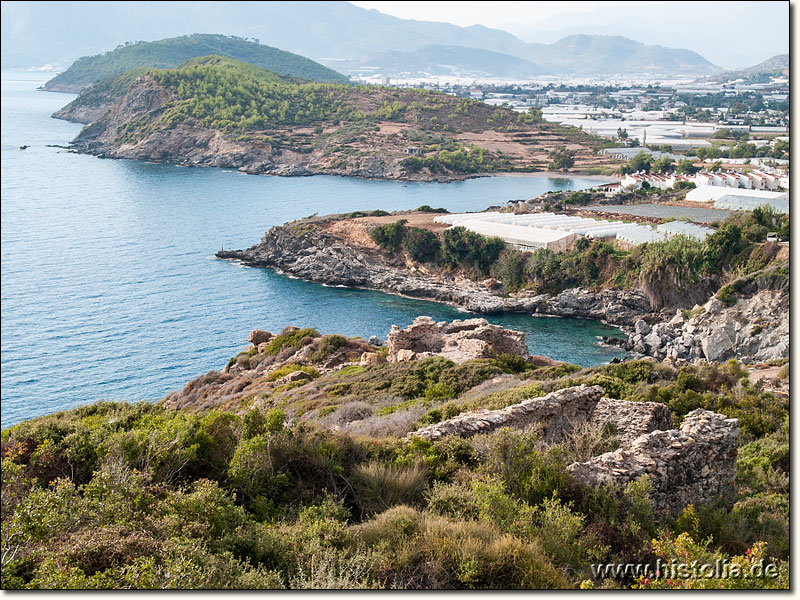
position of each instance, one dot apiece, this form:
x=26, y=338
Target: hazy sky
x=729, y=34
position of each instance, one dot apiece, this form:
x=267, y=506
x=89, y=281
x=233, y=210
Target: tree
x=622, y=133
x=422, y=245
x=389, y=236
x=641, y=162
x=663, y=165
x=686, y=166
x=562, y=159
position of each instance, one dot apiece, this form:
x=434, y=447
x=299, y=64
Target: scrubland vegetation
x=116, y=495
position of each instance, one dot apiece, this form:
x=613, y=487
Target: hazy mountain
x=707, y=27
x=175, y=51
x=776, y=64
x=35, y=33
x=437, y=59
x=592, y=54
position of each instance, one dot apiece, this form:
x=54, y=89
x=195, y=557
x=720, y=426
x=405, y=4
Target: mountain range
x=337, y=34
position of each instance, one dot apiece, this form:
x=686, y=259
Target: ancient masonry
x=690, y=465
x=632, y=419
x=554, y=414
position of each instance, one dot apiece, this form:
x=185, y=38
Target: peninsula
x=215, y=111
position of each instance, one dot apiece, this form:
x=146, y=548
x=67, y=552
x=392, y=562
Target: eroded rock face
x=555, y=415
x=691, y=465
x=754, y=329
x=632, y=419
x=458, y=341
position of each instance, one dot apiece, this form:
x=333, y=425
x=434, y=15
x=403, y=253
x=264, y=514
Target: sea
x=110, y=288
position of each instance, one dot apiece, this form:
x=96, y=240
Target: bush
x=292, y=368
x=379, y=486
x=422, y=245
x=389, y=236
x=470, y=250
x=295, y=338
x=510, y=268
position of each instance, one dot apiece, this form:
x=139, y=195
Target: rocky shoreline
x=305, y=250
x=754, y=329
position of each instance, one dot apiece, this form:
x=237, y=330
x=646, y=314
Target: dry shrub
x=347, y=413
x=396, y=424
x=587, y=440
x=333, y=569
x=379, y=486
x=419, y=550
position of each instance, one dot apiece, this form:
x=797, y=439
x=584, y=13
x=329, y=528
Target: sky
x=729, y=34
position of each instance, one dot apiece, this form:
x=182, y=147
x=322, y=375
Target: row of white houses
x=754, y=180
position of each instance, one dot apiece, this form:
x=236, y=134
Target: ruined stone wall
x=555, y=414
x=632, y=419
x=690, y=465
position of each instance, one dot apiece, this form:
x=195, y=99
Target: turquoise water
x=109, y=285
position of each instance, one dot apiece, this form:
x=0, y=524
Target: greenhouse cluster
x=558, y=232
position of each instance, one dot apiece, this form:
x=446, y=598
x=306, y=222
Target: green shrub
x=422, y=245
x=292, y=368
x=291, y=339
x=389, y=236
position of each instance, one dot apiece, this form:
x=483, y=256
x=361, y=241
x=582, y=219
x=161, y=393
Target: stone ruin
x=458, y=341
x=555, y=414
x=689, y=465
x=693, y=464
x=632, y=419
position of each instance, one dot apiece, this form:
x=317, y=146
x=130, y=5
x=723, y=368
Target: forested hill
x=172, y=52
x=261, y=122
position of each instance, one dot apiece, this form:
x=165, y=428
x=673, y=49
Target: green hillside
x=170, y=53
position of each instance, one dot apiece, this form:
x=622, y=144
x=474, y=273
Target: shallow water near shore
x=109, y=285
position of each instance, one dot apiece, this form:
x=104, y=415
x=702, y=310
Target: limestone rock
x=458, y=341
x=371, y=358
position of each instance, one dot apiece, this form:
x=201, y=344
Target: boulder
x=371, y=358
x=294, y=376
x=259, y=336
x=641, y=327
x=375, y=341
x=717, y=345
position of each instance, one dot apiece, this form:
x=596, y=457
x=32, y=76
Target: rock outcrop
x=618, y=307
x=554, y=415
x=458, y=341
x=694, y=464
x=753, y=329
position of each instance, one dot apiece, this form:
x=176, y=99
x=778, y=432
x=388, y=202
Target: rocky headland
x=272, y=125
x=312, y=250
